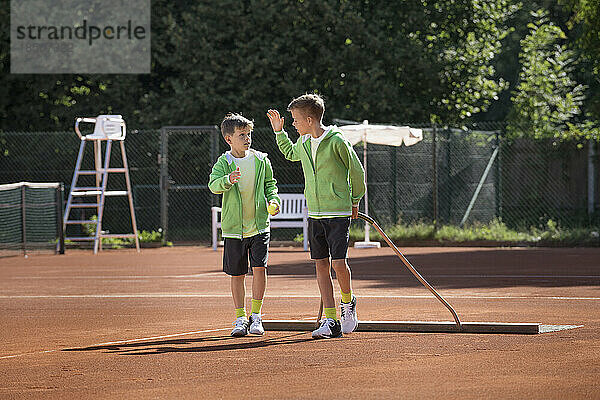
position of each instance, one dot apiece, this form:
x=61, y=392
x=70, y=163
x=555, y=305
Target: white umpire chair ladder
x=109, y=129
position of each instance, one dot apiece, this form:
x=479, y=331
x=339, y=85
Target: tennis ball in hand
x=272, y=208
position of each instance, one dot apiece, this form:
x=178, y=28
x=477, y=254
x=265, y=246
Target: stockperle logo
x=108, y=36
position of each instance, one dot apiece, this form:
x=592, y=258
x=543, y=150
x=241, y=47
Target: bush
x=143, y=236
x=551, y=234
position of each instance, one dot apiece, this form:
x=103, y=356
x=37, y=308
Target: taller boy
x=334, y=184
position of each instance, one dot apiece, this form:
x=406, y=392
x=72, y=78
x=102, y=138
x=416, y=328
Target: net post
x=23, y=220
x=59, y=217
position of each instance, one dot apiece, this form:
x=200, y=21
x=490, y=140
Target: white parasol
x=378, y=134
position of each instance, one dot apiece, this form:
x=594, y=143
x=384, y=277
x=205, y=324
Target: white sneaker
x=330, y=328
x=241, y=327
x=349, y=317
x=256, y=326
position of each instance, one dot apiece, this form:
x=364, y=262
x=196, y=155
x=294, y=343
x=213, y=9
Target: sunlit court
x=156, y=324
x=296, y=199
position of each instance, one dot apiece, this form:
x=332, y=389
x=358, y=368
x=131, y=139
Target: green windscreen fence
x=31, y=217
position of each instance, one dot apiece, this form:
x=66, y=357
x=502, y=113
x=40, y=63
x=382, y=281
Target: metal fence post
x=448, y=191
x=435, y=180
x=499, y=175
x=591, y=184
x=394, y=151
x=164, y=184
x=214, y=153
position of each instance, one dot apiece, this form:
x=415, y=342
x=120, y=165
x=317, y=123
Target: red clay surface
x=156, y=325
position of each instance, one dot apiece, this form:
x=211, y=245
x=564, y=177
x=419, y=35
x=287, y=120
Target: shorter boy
x=245, y=179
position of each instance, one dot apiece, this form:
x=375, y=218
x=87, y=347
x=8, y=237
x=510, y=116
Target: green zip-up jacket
x=335, y=181
x=266, y=191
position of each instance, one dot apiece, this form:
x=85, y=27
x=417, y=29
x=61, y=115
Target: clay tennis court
x=156, y=325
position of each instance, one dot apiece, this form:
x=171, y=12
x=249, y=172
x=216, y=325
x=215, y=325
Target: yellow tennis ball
x=272, y=208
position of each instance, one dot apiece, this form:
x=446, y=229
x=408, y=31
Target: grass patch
x=494, y=231
x=118, y=243
x=549, y=234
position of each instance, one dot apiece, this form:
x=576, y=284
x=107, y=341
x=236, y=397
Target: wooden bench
x=293, y=214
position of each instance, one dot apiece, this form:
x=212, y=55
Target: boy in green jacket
x=334, y=184
x=245, y=179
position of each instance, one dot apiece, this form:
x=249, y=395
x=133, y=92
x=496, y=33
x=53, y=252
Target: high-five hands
x=276, y=120
x=235, y=176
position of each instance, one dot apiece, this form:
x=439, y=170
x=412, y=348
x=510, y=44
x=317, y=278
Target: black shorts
x=329, y=237
x=236, y=252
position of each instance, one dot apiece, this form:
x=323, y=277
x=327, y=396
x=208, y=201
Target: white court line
x=193, y=295
x=311, y=276
x=121, y=342
x=27, y=354
x=203, y=275
x=515, y=276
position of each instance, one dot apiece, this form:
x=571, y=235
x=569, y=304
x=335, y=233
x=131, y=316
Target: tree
x=411, y=60
x=586, y=17
x=547, y=101
x=400, y=61
x=466, y=37
x=585, y=23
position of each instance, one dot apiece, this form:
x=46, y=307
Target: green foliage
x=586, y=17
x=412, y=60
x=417, y=231
x=383, y=61
x=496, y=231
x=467, y=37
x=584, y=25
x=547, y=100
x=150, y=236
x=143, y=236
x=553, y=233
x=377, y=60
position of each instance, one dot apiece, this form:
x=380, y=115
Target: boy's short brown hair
x=311, y=104
x=232, y=121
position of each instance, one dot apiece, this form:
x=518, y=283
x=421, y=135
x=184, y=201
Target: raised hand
x=276, y=120
x=234, y=177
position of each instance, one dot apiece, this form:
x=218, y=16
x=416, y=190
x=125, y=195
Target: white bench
x=293, y=214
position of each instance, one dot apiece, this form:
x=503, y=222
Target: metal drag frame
x=421, y=326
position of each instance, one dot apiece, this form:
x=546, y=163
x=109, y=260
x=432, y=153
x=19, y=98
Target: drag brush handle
x=408, y=265
x=320, y=313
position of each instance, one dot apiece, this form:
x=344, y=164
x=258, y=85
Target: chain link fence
x=453, y=176
x=186, y=158
x=51, y=157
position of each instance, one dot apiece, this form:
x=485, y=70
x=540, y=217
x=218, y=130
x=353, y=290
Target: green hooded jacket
x=335, y=181
x=266, y=191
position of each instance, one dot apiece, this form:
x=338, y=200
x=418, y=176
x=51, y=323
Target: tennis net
x=31, y=217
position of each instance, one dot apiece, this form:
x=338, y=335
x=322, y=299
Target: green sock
x=346, y=297
x=240, y=312
x=256, y=306
x=330, y=313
